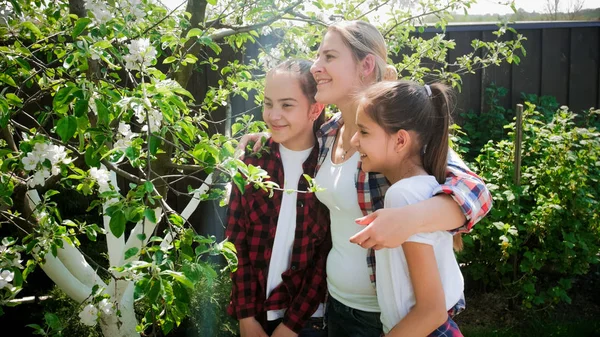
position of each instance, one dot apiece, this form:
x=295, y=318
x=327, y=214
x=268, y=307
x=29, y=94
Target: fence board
x=556, y=54
x=526, y=76
x=583, y=84
x=469, y=97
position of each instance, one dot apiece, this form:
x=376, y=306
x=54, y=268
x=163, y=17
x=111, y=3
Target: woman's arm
x=429, y=311
x=460, y=202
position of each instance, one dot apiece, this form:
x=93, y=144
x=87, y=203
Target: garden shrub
x=208, y=308
x=542, y=234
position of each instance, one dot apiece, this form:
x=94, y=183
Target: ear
x=402, y=140
x=315, y=111
x=368, y=65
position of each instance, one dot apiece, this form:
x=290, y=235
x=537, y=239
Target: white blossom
x=100, y=10
x=102, y=177
x=6, y=276
x=266, y=30
x=124, y=136
x=29, y=162
x=89, y=315
x=141, y=53
x=271, y=59
x=106, y=307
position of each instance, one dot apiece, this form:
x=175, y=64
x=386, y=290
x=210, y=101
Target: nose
x=354, y=140
x=316, y=67
x=274, y=114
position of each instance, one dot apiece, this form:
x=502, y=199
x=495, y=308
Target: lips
x=321, y=81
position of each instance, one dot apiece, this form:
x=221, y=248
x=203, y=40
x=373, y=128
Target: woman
x=351, y=57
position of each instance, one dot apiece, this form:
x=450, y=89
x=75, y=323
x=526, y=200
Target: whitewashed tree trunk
x=72, y=274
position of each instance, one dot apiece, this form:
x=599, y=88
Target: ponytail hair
x=435, y=149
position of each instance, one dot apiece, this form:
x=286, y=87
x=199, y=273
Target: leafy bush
x=208, y=309
x=543, y=233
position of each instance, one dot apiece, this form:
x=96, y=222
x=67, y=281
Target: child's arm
x=429, y=311
x=244, y=283
x=460, y=202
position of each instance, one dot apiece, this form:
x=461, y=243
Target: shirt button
x=300, y=204
x=293, y=267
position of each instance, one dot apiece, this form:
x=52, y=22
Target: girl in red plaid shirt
x=403, y=133
x=282, y=240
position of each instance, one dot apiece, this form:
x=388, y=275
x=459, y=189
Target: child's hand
x=249, y=327
x=283, y=331
x=257, y=138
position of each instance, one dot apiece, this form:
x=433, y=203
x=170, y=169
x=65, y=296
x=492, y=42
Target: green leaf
x=103, y=113
x=194, y=32
x=8, y=80
x=33, y=28
x=80, y=26
x=131, y=252
x=92, y=159
x=52, y=321
x=117, y=223
x=81, y=107
x=170, y=59
x=148, y=186
x=153, y=144
x=103, y=44
x=179, y=277
x=66, y=127
x=239, y=182
x=153, y=290
x=150, y=215
x=212, y=2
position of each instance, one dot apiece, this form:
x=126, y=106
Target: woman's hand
x=384, y=229
x=257, y=138
x=390, y=227
x=249, y=327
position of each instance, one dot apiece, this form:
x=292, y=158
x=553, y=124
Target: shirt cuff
x=463, y=202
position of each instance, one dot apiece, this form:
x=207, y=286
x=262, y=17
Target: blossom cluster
x=155, y=117
x=141, y=54
x=44, y=160
x=102, y=13
x=124, y=137
x=102, y=178
x=9, y=259
x=91, y=312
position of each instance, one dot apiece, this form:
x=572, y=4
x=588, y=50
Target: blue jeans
x=312, y=328
x=343, y=321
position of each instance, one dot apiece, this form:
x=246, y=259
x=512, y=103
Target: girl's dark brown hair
x=308, y=84
x=396, y=105
x=407, y=105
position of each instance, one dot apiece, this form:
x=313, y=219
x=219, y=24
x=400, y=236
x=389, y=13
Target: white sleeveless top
x=348, y=279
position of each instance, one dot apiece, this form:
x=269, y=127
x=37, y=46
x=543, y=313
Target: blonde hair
x=363, y=39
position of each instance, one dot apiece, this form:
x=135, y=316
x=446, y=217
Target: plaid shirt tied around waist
x=251, y=226
x=464, y=186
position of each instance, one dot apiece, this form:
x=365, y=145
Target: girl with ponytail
x=403, y=134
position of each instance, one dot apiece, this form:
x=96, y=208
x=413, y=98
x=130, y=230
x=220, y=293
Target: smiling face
x=375, y=145
x=335, y=70
x=288, y=112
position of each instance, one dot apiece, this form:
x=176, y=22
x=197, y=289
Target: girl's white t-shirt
x=348, y=276
x=286, y=224
x=394, y=287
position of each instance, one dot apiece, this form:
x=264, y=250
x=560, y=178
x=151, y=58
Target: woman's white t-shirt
x=348, y=276
x=394, y=288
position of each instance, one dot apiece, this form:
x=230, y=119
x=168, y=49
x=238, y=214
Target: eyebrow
x=282, y=99
x=327, y=51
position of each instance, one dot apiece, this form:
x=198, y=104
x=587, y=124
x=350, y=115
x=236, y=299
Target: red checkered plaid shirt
x=251, y=225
